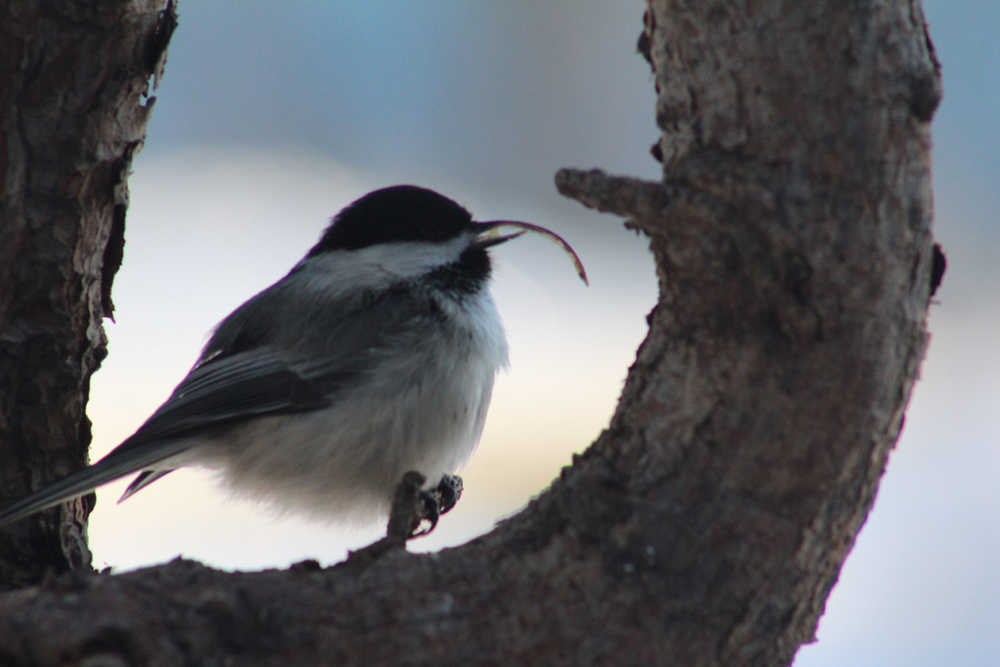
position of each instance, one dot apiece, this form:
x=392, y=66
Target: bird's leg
x=411, y=504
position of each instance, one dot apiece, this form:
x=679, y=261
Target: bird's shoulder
x=301, y=315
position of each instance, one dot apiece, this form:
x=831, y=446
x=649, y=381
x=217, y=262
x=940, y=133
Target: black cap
x=393, y=214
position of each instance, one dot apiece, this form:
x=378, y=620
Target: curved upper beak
x=487, y=235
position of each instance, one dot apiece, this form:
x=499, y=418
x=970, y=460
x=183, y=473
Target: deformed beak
x=487, y=234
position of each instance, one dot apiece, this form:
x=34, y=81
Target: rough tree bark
x=74, y=79
x=708, y=523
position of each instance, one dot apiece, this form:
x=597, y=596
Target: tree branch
x=708, y=523
x=74, y=84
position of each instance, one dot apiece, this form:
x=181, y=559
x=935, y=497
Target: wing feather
x=239, y=377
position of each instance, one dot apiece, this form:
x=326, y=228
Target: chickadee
x=374, y=356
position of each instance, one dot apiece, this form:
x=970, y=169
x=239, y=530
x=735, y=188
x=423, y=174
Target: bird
x=373, y=356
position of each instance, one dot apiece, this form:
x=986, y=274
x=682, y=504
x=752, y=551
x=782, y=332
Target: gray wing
x=241, y=375
x=224, y=389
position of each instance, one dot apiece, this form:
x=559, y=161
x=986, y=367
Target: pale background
x=274, y=115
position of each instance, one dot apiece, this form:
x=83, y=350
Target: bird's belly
x=344, y=461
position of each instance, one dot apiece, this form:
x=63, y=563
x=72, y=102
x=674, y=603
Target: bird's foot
x=435, y=502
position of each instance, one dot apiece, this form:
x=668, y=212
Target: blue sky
x=273, y=116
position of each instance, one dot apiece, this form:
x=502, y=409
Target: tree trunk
x=74, y=79
x=708, y=523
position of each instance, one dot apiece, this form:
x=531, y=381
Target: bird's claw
x=437, y=501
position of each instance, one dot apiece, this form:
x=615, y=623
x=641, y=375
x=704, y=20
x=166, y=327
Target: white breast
x=423, y=410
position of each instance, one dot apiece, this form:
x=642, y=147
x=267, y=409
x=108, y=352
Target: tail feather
x=142, y=480
x=115, y=465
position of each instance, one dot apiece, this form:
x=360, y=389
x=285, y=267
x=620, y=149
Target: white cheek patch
x=381, y=265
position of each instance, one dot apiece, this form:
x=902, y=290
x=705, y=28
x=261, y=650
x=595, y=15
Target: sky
x=272, y=116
